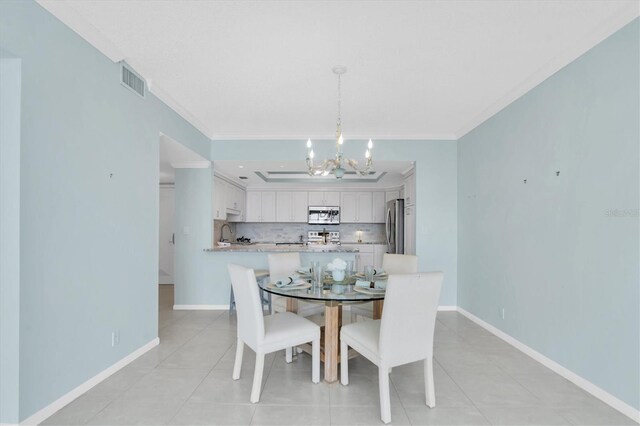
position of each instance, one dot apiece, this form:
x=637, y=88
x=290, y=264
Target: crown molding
x=362, y=138
x=606, y=29
x=168, y=100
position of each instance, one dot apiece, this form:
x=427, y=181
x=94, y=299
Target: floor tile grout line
x=465, y=394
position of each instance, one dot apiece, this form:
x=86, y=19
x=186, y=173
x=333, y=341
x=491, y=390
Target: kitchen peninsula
x=284, y=248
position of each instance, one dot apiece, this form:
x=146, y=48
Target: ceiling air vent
x=132, y=80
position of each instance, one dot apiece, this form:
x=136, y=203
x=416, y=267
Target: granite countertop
x=266, y=247
x=382, y=243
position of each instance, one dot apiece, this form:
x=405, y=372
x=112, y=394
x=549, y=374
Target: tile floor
x=186, y=380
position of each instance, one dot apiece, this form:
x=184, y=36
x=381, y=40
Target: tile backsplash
x=290, y=232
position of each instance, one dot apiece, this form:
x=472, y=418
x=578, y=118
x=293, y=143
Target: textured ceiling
x=430, y=69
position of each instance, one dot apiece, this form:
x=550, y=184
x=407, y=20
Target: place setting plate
x=361, y=275
x=367, y=290
x=296, y=286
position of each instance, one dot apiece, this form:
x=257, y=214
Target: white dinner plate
x=366, y=290
x=300, y=286
x=361, y=275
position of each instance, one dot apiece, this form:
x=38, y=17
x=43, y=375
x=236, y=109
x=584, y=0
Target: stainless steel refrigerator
x=395, y=226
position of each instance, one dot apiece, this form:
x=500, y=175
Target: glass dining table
x=333, y=294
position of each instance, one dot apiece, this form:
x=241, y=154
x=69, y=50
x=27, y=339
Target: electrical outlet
x=502, y=313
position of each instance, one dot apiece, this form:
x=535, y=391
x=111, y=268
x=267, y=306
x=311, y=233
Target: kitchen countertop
x=267, y=247
x=381, y=243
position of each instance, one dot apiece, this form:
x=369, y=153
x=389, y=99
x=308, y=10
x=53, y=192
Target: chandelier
x=336, y=165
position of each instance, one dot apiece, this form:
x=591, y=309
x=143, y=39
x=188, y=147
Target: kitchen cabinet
x=219, y=199
x=410, y=190
x=235, y=203
x=409, y=230
x=356, y=207
x=378, y=254
x=379, y=207
x=392, y=195
x=291, y=207
x=330, y=198
x=228, y=201
x=364, y=257
x=261, y=206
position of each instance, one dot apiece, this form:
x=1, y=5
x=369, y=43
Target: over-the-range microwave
x=322, y=215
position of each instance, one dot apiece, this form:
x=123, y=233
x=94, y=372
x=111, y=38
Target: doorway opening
x=173, y=155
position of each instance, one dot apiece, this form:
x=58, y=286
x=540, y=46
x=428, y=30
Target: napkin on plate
x=378, y=284
x=293, y=279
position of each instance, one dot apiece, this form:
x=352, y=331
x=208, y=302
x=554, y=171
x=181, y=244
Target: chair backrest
x=281, y=265
x=248, y=305
x=399, y=263
x=409, y=317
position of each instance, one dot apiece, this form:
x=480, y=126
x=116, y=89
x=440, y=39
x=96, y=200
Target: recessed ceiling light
x=241, y=167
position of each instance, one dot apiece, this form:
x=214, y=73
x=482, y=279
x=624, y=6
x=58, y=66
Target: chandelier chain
x=339, y=100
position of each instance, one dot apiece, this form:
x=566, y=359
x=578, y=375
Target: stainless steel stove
x=323, y=237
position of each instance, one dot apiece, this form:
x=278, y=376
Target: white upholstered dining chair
x=282, y=265
x=266, y=334
x=403, y=335
x=391, y=264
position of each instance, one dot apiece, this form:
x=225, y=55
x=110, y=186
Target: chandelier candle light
x=336, y=165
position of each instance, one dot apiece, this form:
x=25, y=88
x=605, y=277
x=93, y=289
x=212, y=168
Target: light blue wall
x=194, y=228
x=560, y=253
x=10, y=237
x=89, y=242
x=436, y=206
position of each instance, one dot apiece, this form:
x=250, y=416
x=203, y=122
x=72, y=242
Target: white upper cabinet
x=228, y=201
x=348, y=208
x=379, y=204
x=364, y=203
x=236, y=203
x=356, y=207
x=330, y=198
x=254, y=206
x=392, y=195
x=291, y=207
x=268, y=206
x=410, y=189
x=219, y=199
x=261, y=206
x=283, y=207
x=299, y=207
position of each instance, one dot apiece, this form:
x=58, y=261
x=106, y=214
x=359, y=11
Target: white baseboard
x=579, y=381
x=200, y=307
x=447, y=308
x=50, y=409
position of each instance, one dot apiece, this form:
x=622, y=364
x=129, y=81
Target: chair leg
x=385, y=399
x=270, y=305
x=288, y=357
x=315, y=361
x=257, y=378
x=232, y=302
x=238, y=363
x=344, y=363
x=429, y=387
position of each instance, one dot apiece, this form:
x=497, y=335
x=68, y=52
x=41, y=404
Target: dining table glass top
x=328, y=290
